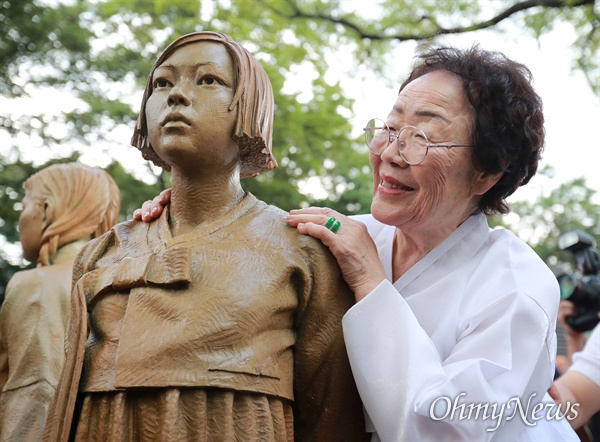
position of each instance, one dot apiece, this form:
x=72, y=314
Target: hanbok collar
x=460, y=245
x=163, y=230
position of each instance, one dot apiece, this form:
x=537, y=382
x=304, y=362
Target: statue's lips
x=176, y=120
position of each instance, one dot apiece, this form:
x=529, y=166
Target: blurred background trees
x=99, y=52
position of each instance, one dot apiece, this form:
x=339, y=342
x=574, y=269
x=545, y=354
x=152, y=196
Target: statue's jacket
x=243, y=303
x=32, y=335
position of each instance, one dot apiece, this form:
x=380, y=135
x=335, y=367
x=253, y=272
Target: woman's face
x=440, y=192
x=188, y=116
x=31, y=225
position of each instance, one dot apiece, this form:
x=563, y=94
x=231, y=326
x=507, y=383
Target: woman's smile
x=389, y=185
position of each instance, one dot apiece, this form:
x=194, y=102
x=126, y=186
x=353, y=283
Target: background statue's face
x=189, y=123
x=31, y=225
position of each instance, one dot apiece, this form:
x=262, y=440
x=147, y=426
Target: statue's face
x=188, y=116
x=31, y=225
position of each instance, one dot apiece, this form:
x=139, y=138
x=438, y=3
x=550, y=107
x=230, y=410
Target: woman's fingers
x=316, y=215
x=165, y=196
x=316, y=229
x=313, y=211
x=143, y=214
x=137, y=214
x=349, y=242
x=152, y=209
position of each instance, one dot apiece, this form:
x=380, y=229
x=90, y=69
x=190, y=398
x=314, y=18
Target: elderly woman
x=64, y=206
x=218, y=321
x=452, y=336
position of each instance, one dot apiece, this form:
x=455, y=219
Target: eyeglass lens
x=412, y=142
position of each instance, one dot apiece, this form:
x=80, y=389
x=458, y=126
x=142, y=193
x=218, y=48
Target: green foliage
x=586, y=48
x=100, y=52
x=568, y=207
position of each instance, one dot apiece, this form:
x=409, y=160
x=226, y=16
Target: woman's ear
x=485, y=181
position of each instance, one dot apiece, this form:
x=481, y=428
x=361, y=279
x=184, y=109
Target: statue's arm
x=327, y=405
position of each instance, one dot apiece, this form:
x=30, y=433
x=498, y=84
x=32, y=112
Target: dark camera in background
x=582, y=290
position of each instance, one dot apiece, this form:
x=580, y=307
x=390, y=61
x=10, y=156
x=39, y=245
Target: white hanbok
x=460, y=347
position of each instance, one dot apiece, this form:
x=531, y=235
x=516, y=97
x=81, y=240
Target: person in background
x=218, y=321
x=580, y=383
x=65, y=205
x=574, y=340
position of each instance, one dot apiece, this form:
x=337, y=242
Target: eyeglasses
x=413, y=144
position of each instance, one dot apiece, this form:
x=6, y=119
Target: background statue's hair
x=81, y=201
x=253, y=98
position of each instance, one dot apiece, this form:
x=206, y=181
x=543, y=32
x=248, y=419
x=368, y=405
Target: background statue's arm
x=32, y=334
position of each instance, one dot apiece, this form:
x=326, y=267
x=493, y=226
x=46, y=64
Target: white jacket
x=470, y=324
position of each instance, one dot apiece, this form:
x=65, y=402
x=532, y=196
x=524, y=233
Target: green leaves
x=569, y=206
x=101, y=52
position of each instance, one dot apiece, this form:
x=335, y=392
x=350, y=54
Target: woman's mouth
x=398, y=186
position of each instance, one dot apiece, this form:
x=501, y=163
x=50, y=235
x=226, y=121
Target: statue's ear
x=48, y=214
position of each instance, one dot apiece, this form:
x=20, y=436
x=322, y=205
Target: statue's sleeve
x=326, y=402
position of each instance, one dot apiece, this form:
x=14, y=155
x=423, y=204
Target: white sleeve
x=587, y=361
x=404, y=383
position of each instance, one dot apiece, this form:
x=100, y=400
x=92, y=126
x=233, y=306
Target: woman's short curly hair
x=253, y=101
x=508, y=123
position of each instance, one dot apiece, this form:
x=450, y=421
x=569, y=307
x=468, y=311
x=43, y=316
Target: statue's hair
x=253, y=98
x=81, y=201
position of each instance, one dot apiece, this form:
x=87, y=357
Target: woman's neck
x=411, y=245
x=204, y=198
x=407, y=251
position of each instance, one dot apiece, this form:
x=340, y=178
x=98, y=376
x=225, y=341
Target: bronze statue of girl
x=218, y=321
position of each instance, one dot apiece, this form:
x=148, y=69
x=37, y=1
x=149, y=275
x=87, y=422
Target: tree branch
x=364, y=34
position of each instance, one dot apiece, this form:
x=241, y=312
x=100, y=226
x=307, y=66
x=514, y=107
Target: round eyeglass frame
x=377, y=124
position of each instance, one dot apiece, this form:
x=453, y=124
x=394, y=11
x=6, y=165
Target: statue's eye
x=160, y=82
x=208, y=79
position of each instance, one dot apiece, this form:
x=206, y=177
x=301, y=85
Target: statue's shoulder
x=38, y=285
x=274, y=222
x=118, y=238
x=23, y=280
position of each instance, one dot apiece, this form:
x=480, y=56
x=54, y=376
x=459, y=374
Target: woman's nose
x=391, y=154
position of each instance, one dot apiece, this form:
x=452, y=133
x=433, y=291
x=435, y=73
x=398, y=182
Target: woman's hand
x=152, y=209
x=351, y=246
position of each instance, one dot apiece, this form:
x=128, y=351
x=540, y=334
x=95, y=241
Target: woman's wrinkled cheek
x=431, y=195
x=375, y=162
